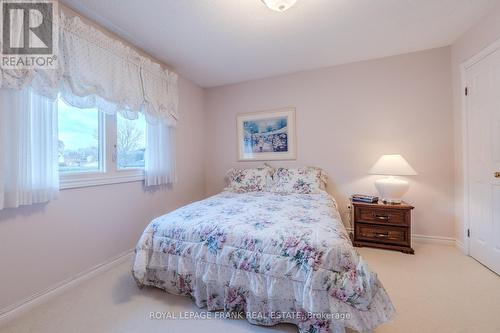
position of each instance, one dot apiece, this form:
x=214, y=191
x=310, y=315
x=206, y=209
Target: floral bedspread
x=276, y=257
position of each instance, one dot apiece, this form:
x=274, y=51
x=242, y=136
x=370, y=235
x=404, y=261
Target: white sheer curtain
x=160, y=155
x=28, y=146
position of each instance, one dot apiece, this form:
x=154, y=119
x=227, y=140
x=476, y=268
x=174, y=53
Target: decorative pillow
x=248, y=180
x=300, y=180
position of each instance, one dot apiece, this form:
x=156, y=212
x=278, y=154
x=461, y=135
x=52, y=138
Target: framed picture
x=267, y=135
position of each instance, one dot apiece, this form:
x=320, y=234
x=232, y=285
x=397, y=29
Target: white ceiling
x=217, y=42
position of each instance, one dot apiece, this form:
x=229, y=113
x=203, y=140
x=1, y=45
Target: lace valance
x=96, y=70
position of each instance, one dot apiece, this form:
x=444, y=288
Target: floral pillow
x=300, y=180
x=248, y=180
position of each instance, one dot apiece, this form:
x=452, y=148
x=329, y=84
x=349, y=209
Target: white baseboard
x=460, y=246
x=11, y=312
x=433, y=239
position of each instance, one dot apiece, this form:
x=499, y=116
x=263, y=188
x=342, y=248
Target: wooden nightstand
x=383, y=226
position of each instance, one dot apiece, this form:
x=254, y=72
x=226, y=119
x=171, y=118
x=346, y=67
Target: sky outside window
x=78, y=149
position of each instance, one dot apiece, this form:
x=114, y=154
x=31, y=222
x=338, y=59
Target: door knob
x=497, y=174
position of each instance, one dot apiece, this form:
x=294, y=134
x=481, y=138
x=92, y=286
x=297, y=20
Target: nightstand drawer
x=385, y=234
x=381, y=216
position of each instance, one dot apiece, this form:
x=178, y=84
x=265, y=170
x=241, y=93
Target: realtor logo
x=29, y=33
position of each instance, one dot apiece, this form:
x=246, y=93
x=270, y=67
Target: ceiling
x=218, y=42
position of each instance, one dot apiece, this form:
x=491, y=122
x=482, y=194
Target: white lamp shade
x=392, y=165
x=279, y=5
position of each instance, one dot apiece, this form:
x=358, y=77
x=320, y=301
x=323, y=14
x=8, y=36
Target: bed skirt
x=263, y=300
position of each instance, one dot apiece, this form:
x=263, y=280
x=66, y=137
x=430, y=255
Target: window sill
x=99, y=179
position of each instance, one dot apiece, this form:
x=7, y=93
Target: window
x=97, y=149
x=130, y=142
x=78, y=139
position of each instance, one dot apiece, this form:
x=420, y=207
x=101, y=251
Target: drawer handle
x=377, y=235
x=381, y=217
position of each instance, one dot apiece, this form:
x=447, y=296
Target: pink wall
x=43, y=245
x=472, y=42
x=347, y=117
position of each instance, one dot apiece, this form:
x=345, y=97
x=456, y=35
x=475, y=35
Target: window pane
x=131, y=142
x=78, y=139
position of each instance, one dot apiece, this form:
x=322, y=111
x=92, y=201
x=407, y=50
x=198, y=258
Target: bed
x=276, y=257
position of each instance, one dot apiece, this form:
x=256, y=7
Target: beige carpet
x=437, y=290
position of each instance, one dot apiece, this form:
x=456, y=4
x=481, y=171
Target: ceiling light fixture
x=279, y=5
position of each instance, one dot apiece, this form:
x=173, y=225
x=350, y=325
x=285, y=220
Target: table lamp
x=392, y=189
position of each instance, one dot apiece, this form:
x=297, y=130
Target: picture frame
x=267, y=135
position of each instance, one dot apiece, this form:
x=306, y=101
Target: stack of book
x=364, y=198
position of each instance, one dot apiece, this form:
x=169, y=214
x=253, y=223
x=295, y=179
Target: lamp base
x=391, y=189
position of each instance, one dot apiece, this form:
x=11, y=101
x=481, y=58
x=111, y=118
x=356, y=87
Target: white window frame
x=108, y=172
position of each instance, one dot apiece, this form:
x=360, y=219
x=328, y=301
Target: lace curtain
x=96, y=70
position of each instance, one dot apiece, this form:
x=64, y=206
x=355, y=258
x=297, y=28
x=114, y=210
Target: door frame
x=464, y=66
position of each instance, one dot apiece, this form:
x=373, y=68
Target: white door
x=483, y=129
